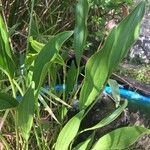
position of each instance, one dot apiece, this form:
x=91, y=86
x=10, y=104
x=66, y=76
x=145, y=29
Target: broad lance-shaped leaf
x=56, y=59
x=101, y=65
x=80, y=35
x=7, y=64
x=47, y=53
x=80, y=31
x=69, y=132
x=7, y=101
x=26, y=111
x=120, y=138
x=107, y=120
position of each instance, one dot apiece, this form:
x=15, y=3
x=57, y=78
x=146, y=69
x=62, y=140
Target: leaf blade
x=108, y=119
x=7, y=65
x=120, y=138
x=101, y=65
x=69, y=131
x=47, y=53
x=25, y=112
x=80, y=31
x=7, y=101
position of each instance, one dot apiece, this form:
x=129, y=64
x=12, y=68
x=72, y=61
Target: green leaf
x=80, y=31
x=69, y=132
x=43, y=74
x=57, y=59
x=108, y=119
x=47, y=108
x=101, y=65
x=71, y=78
x=13, y=29
x=80, y=35
x=115, y=91
x=7, y=64
x=120, y=138
x=7, y=101
x=55, y=97
x=34, y=27
x=26, y=111
x=47, y=53
x=85, y=145
x=37, y=46
x=30, y=59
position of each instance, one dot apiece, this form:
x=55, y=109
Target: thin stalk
x=64, y=81
x=18, y=87
x=63, y=108
x=16, y=129
x=12, y=86
x=27, y=145
x=16, y=113
x=37, y=138
x=38, y=116
x=74, y=95
x=30, y=23
x=51, y=103
x=5, y=142
x=3, y=119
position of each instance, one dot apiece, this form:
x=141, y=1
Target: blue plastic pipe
x=130, y=95
x=124, y=93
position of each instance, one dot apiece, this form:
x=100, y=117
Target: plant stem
x=5, y=142
x=3, y=119
x=64, y=81
x=30, y=23
x=26, y=145
x=38, y=116
x=37, y=138
x=16, y=113
x=16, y=129
x=18, y=87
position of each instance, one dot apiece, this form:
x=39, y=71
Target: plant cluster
x=39, y=88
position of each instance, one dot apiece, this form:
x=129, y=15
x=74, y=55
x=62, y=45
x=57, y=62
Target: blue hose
x=130, y=95
x=124, y=93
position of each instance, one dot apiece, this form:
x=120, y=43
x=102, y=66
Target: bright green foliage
x=37, y=46
x=45, y=59
x=115, y=91
x=109, y=119
x=7, y=101
x=25, y=112
x=120, y=138
x=80, y=35
x=47, y=53
x=101, y=65
x=69, y=132
x=80, y=31
x=6, y=56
